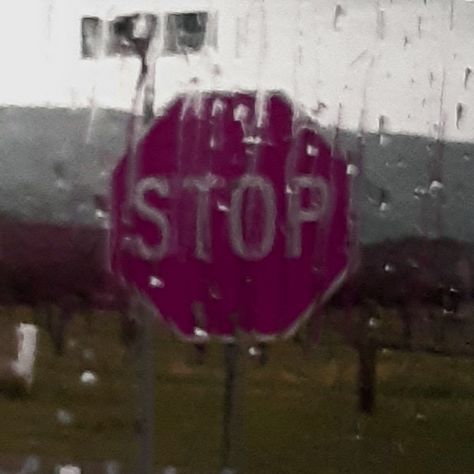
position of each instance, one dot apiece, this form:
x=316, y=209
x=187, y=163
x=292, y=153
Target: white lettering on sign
x=160, y=187
x=265, y=189
x=203, y=185
x=298, y=213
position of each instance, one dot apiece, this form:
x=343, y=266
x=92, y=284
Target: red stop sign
x=230, y=218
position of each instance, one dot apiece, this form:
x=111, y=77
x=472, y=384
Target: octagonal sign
x=231, y=215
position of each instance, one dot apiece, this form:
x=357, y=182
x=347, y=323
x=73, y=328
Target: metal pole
x=146, y=386
x=231, y=429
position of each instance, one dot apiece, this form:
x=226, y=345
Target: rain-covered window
x=186, y=31
x=126, y=31
x=91, y=32
x=237, y=237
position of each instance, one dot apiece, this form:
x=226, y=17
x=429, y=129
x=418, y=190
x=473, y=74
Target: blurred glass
x=389, y=386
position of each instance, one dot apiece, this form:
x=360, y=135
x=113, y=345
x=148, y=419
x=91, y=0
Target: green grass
x=298, y=412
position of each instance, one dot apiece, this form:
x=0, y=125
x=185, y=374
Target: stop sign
x=231, y=215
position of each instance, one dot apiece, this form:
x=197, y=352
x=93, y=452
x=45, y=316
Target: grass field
x=298, y=412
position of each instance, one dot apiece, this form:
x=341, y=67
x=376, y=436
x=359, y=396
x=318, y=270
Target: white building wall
x=388, y=57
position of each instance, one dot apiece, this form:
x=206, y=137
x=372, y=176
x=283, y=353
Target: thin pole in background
x=143, y=315
x=231, y=426
x=146, y=386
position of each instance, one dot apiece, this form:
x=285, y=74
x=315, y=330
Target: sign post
x=146, y=385
x=231, y=429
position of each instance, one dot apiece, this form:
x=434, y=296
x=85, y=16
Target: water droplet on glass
x=253, y=140
x=431, y=79
x=68, y=469
x=218, y=106
x=389, y=268
x=453, y=291
x=435, y=188
x=156, y=282
x=400, y=448
x=448, y=312
x=459, y=114
x=420, y=417
x=338, y=13
x=380, y=23
x=88, y=378
x=128, y=242
x=319, y=109
x=384, y=139
x=352, y=170
x=200, y=351
x=400, y=163
x=222, y=206
x=216, y=70
x=64, y=417
x=413, y=263
x=100, y=214
x=201, y=333
x=72, y=343
x=420, y=192
x=374, y=323
x=419, y=22
x=31, y=465
x=241, y=112
x=214, y=292
x=451, y=15
x=311, y=150
x=316, y=269
x=170, y=470
x=384, y=207
x=88, y=354
x=254, y=351
x=112, y=467
x=63, y=185
x=467, y=75
x=228, y=470
x=358, y=436
x=217, y=136
x=59, y=169
x=83, y=209
x=259, y=352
